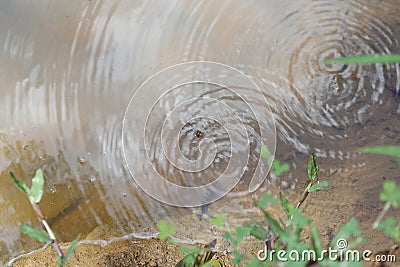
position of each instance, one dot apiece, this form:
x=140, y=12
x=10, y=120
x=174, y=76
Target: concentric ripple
x=69, y=71
x=334, y=95
x=199, y=136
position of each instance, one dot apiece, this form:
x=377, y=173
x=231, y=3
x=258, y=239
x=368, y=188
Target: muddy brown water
x=69, y=70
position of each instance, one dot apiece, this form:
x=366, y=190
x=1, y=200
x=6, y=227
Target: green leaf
x=186, y=250
x=346, y=231
x=241, y=231
x=37, y=234
x=279, y=168
x=391, y=193
x=312, y=168
x=37, y=187
x=284, y=204
x=284, y=167
x=258, y=231
x=299, y=220
x=166, y=230
x=239, y=257
x=255, y=262
x=274, y=223
x=212, y=263
x=71, y=250
x=219, y=220
x=236, y=261
x=319, y=186
x=189, y=260
x=390, y=228
x=316, y=241
x=265, y=153
x=20, y=184
x=383, y=150
x=228, y=236
x=366, y=59
x=265, y=201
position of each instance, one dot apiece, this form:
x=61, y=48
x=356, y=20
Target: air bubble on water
x=82, y=160
x=92, y=178
x=53, y=189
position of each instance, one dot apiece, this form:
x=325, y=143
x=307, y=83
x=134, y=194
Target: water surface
x=70, y=68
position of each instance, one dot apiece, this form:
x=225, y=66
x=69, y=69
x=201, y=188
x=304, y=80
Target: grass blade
x=284, y=204
x=383, y=150
x=316, y=241
x=365, y=59
x=71, y=250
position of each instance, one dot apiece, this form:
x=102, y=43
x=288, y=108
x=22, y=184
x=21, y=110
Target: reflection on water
x=69, y=69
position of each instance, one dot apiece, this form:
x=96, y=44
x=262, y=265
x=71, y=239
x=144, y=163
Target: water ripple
x=332, y=95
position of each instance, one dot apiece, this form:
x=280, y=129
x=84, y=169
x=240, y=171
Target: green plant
x=391, y=192
x=391, y=195
x=35, y=194
x=277, y=168
x=286, y=236
x=194, y=256
x=393, y=151
x=365, y=59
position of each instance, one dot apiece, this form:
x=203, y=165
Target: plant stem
x=305, y=194
x=383, y=212
x=46, y=226
x=302, y=199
